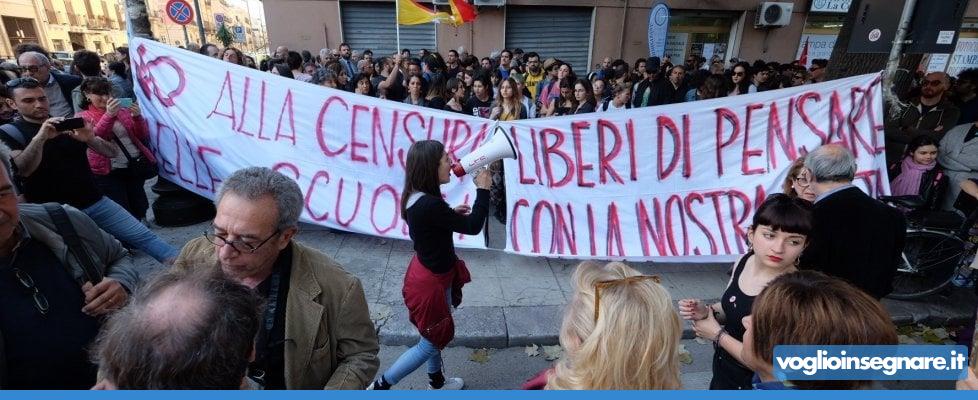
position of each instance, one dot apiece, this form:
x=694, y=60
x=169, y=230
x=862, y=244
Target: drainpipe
x=621, y=38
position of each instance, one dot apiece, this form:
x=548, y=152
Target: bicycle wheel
x=928, y=265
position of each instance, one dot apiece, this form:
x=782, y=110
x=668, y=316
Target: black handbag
x=139, y=167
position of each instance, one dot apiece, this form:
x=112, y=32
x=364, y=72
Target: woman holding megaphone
x=434, y=279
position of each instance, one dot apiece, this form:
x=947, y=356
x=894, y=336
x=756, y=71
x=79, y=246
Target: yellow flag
x=409, y=12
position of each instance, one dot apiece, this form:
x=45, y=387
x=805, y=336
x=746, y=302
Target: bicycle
x=934, y=250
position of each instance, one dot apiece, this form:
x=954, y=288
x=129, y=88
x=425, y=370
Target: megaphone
x=500, y=146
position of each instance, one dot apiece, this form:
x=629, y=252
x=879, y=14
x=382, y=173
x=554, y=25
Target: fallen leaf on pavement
x=532, y=350
x=684, y=356
x=480, y=356
x=553, y=352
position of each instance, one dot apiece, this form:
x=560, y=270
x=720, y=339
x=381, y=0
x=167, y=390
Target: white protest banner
x=209, y=118
x=679, y=181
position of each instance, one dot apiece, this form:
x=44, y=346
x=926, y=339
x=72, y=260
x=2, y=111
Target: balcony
x=52, y=17
x=78, y=20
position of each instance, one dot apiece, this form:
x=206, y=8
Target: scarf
x=908, y=182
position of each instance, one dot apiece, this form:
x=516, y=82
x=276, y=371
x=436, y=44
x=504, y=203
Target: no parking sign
x=179, y=11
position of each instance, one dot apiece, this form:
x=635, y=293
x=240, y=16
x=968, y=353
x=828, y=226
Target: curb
x=501, y=327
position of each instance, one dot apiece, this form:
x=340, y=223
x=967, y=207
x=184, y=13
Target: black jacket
x=669, y=94
x=67, y=83
x=856, y=238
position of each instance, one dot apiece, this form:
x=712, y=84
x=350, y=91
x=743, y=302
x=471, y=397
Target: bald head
x=185, y=330
x=938, y=75
x=281, y=52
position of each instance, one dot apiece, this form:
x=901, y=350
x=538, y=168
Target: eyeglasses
x=738, y=74
x=936, y=82
x=26, y=83
x=25, y=280
x=32, y=68
x=814, y=68
x=803, y=180
x=238, y=245
x=606, y=284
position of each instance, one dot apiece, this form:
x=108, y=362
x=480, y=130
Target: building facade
x=64, y=26
x=582, y=32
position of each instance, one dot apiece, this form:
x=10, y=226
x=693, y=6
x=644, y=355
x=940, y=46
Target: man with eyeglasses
x=57, y=87
x=49, y=310
x=316, y=330
x=930, y=114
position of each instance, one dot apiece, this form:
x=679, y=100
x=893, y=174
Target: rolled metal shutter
x=560, y=32
x=371, y=26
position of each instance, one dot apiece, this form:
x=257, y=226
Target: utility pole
x=200, y=24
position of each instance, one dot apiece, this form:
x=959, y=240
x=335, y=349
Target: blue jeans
x=115, y=220
x=421, y=353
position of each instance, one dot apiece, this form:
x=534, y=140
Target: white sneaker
x=450, y=384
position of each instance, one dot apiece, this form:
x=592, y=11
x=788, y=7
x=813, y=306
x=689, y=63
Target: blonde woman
x=605, y=349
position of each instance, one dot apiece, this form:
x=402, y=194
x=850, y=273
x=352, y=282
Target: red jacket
x=424, y=295
x=102, y=124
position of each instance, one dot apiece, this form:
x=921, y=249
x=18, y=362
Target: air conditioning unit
x=489, y=3
x=773, y=14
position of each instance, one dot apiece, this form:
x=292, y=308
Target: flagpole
x=397, y=25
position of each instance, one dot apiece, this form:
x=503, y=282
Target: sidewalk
x=516, y=300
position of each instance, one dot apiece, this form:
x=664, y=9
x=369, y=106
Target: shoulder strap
x=122, y=147
x=63, y=225
x=14, y=132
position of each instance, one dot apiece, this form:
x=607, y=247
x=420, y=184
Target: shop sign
x=831, y=6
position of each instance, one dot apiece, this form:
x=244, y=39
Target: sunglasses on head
x=26, y=83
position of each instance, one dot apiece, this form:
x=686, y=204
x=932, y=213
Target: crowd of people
x=246, y=306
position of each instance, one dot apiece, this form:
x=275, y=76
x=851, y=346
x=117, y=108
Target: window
x=20, y=30
x=699, y=33
x=59, y=45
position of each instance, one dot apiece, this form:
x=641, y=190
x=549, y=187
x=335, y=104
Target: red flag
x=803, y=59
x=462, y=12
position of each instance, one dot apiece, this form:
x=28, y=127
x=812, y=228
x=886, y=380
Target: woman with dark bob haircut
x=776, y=239
x=811, y=308
x=434, y=278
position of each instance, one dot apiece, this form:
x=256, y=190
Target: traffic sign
x=179, y=12
x=219, y=18
x=239, y=33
